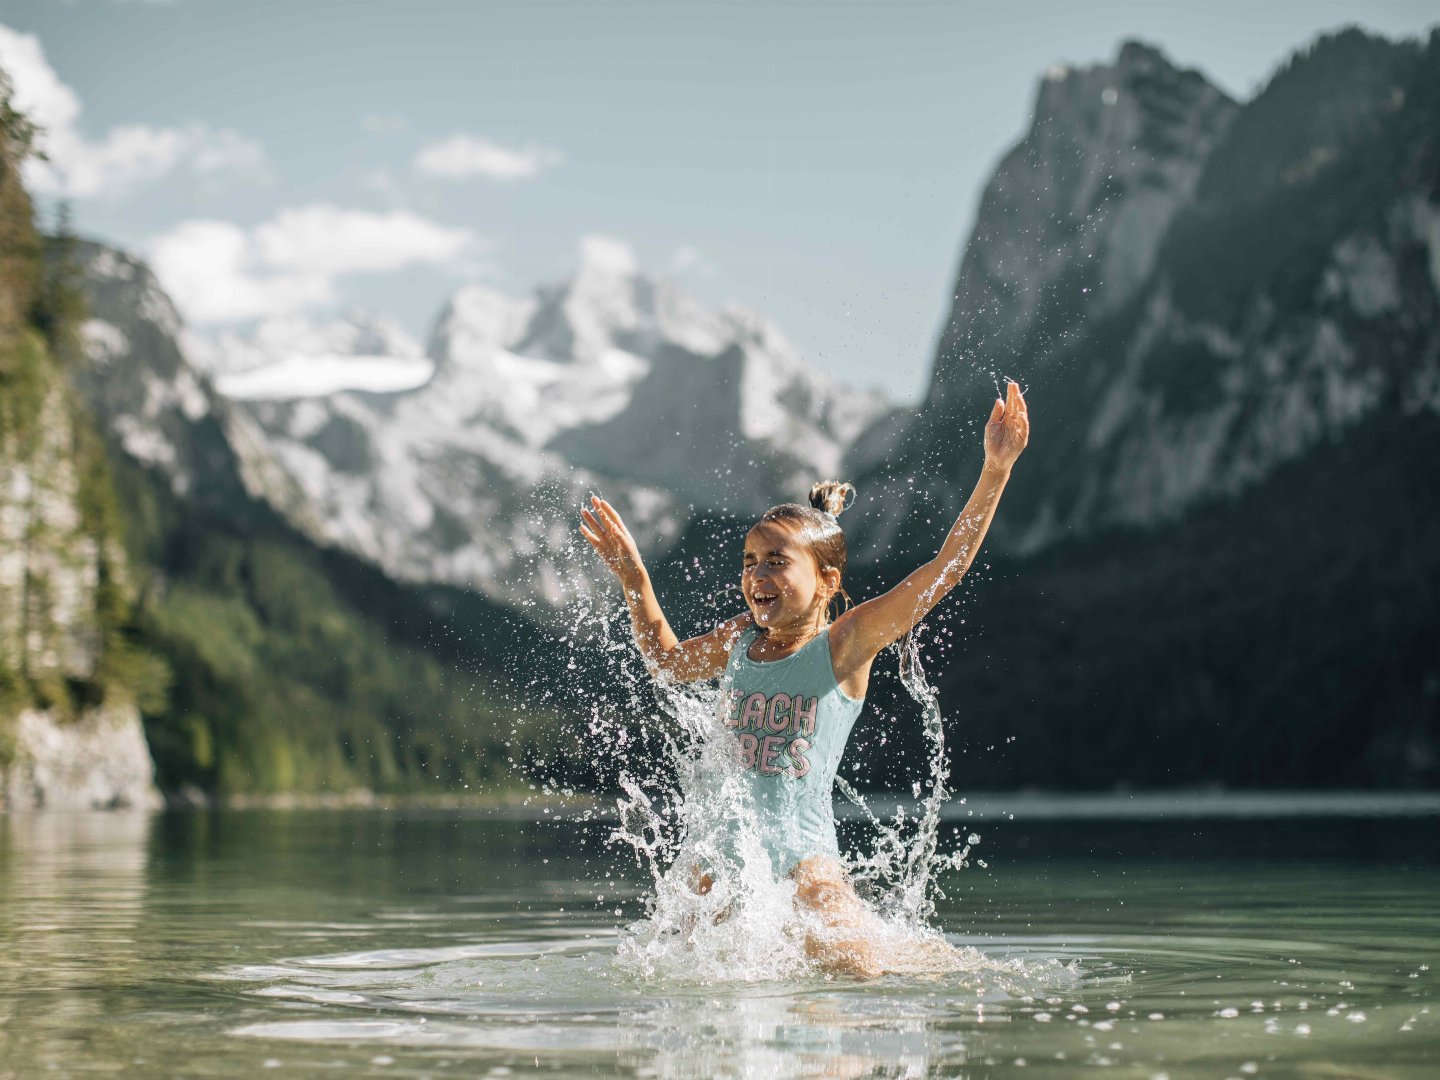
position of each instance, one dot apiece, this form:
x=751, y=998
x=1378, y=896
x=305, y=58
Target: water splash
x=720, y=912
x=901, y=874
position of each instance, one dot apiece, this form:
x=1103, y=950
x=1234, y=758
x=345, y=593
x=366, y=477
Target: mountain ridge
x=610, y=381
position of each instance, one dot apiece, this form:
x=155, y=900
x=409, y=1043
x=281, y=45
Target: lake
x=1190, y=938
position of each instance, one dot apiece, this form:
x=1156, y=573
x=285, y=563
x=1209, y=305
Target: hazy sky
x=818, y=162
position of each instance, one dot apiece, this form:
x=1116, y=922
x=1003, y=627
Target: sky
x=819, y=163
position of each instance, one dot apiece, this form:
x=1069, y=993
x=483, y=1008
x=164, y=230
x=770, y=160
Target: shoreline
x=1178, y=804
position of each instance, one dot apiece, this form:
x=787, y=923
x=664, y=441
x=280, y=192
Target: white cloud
x=330, y=240
x=216, y=271
x=127, y=156
x=461, y=157
x=607, y=254
x=39, y=93
x=212, y=272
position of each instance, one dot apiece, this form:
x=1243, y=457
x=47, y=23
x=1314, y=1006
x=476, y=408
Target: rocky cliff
x=70, y=733
x=157, y=407
x=1068, y=230
x=1193, y=292
x=70, y=677
x=1294, y=302
x=1217, y=561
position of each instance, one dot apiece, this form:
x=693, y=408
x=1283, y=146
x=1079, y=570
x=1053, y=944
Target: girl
x=794, y=681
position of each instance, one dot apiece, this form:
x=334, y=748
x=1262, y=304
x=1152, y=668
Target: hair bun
x=832, y=496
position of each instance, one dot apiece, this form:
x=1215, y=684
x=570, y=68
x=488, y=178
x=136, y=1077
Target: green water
x=409, y=944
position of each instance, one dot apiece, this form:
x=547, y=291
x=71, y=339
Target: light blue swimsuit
x=790, y=720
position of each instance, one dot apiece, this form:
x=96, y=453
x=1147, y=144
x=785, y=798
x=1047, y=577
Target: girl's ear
x=830, y=580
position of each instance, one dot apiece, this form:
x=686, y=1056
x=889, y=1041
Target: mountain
x=162, y=413
x=1292, y=303
x=608, y=382
x=257, y=624
x=1216, y=290
x=1217, y=560
x=1068, y=230
x=289, y=357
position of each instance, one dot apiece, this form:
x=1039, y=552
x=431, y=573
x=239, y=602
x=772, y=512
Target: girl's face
x=781, y=583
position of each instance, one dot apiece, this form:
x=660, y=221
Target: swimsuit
x=790, y=721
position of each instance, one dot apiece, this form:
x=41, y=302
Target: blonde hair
x=816, y=527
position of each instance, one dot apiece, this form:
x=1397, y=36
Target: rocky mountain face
x=609, y=382
x=1217, y=558
x=1068, y=230
x=70, y=732
x=1193, y=292
x=140, y=383
x=57, y=567
x=1293, y=302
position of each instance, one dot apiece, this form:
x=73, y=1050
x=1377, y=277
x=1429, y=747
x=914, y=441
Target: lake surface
x=465, y=943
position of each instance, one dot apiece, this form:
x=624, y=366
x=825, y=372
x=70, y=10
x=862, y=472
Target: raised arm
x=702, y=657
x=860, y=634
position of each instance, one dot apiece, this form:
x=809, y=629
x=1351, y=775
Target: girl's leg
x=846, y=942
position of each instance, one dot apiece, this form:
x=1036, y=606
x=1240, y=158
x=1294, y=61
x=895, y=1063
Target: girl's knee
x=818, y=870
x=822, y=886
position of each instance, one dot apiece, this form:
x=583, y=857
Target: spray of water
x=901, y=874
x=719, y=912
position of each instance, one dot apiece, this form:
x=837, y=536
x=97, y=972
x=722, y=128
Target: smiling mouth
x=764, y=600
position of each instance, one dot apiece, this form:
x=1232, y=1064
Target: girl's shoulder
x=733, y=631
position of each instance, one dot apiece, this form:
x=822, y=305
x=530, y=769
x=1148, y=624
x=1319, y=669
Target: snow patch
x=103, y=341
x=318, y=376
x=143, y=442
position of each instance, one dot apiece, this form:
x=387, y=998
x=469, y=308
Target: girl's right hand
x=1008, y=431
x=601, y=525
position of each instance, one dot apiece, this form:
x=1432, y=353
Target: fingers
x=592, y=533
x=997, y=412
x=1016, y=412
x=1017, y=399
x=611, y=516
x=1021, y=412
x=598, y=522
x=595, y=531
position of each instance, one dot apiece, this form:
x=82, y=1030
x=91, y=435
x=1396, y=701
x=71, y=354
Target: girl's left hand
x=1008, y=430
x=601, y=525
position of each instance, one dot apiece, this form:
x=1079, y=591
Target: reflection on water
x=71, y=894
x=430, y=944
x=565, y=998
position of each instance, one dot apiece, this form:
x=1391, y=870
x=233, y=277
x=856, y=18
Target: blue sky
x=818, y=162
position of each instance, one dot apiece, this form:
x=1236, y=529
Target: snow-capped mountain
x=292, y=356
x=144, y=389
x=608, y=382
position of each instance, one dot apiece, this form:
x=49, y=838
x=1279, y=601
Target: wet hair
x=815, y=525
